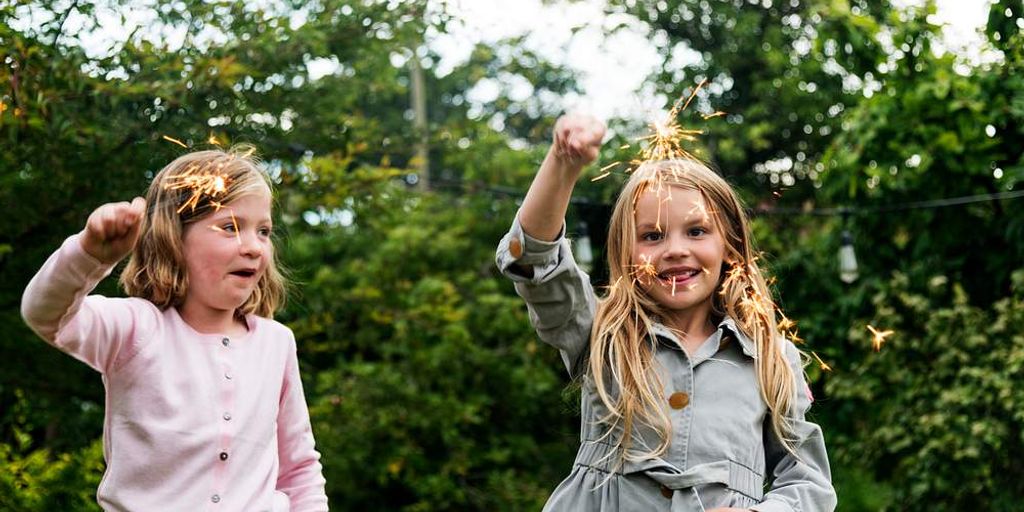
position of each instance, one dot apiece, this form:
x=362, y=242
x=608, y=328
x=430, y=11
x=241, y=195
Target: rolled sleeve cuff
x=517, y=251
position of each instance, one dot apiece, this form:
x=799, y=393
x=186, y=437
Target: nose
x=249, y=245
x=676, y=247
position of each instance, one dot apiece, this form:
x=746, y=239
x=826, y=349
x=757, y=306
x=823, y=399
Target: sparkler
x=666, y=138
x=199, y=183
x=878, y=337
x=207, y=181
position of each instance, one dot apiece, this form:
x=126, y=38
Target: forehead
x=253, y=203
x=675, y=200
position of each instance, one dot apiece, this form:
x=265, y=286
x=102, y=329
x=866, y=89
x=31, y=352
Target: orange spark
x=176, y=141
x=645, y=269
x=234, y=222
x=878, y=337
x=200, y=184
x=785, y=324
x=824, y=367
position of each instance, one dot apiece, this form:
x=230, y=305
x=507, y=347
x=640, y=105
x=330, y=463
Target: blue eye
x=229, y=227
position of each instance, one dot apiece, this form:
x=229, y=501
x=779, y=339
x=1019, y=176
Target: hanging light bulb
x=584, y=252
x=847, y=259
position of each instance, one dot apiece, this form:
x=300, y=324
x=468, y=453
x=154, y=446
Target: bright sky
x=612, y=64
x=613, y=67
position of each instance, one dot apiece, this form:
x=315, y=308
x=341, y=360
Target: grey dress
x=722, y=450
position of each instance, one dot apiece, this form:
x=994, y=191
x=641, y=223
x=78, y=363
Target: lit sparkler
x=666, y=138
x=200, y=184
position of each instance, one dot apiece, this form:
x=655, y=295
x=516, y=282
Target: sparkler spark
x=176, y=141
x=615, y=285
x=824, y=367
x=785, y=323
x=878, y=337
x=645, y=269
x=234, y=223
x=200, y=184
x=666, y=137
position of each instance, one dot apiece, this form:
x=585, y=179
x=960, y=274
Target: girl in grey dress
x=692, y=398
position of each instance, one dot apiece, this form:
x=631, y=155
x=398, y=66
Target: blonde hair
x=621, y=343
x=156, y=269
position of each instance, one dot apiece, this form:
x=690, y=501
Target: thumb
x=136, y=210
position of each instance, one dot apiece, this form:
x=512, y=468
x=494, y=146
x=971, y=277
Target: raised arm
x=576, y=142
x=536, y=255
x=93, y=329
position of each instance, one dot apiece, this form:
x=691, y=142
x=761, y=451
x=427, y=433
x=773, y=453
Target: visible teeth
x=681, y=275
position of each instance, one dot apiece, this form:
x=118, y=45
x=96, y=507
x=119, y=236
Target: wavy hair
x=156, y=270
x=622, y=348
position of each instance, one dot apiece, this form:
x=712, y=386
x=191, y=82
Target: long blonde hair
x=622, y=348
x=156, y=269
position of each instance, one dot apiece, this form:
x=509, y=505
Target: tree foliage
x=427, y=388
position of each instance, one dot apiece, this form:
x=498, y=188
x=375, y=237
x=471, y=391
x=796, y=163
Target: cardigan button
x=223, y=455
x=515, y=248
x=666, y=492
x=215, y=498
x=679, y=400
x=225, y=341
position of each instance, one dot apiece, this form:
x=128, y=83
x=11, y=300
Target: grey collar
x=727, y=324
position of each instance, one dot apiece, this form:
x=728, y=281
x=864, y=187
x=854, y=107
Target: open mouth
x=247, y=273
x=679, y=276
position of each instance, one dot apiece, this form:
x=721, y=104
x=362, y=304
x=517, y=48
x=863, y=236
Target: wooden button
x=679, y=400
x=666, y=492
x=515, y=248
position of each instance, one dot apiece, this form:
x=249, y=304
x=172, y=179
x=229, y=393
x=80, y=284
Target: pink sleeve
x=300, y=475
x=99, y=331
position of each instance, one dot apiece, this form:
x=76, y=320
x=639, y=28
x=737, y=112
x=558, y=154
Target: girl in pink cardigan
x=204, y=406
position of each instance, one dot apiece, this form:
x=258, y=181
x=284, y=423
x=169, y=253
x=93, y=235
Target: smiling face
x=678, y=251
x=226, y=254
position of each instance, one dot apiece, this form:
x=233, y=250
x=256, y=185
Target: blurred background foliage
x=427, y=387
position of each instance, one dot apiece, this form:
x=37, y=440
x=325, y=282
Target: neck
x=212, y=321
x=692, y=327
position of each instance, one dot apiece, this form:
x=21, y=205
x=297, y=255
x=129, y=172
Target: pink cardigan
x=193, y=421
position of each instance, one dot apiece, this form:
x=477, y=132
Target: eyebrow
x=224, y=217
